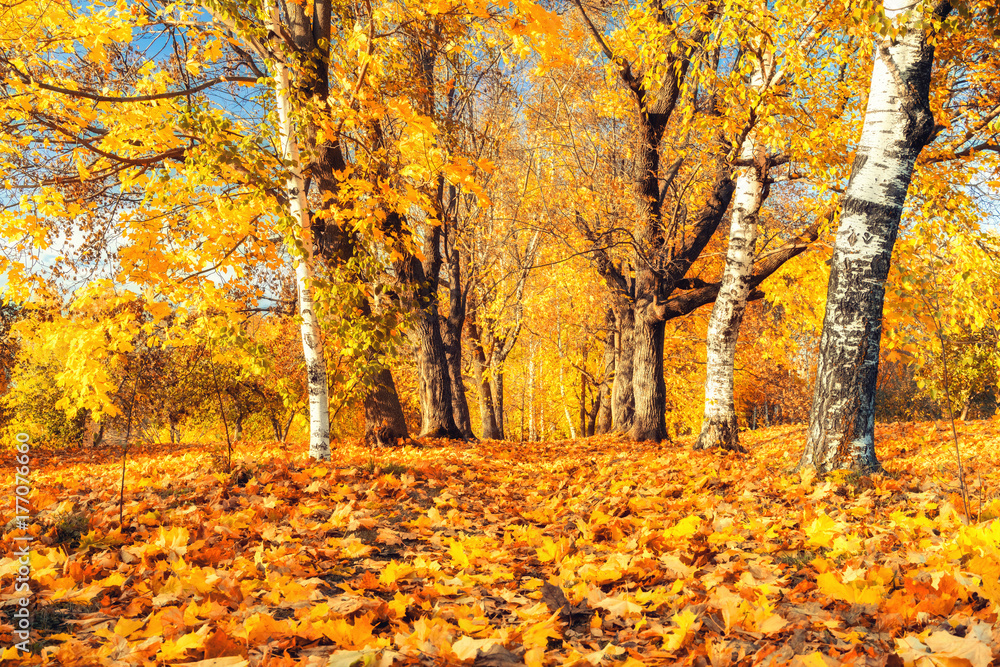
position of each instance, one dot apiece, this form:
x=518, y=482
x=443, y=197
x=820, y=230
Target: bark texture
x=452, y=337
x=435, y=379
x=720, y=427
x=650, y=390
x=332, y=244
x=661, y=259
x=487, y=414
x=622, y=394
x=384, y=422
x=452, y=325
x=898, y=124
x=312, y=338
x=603, y=418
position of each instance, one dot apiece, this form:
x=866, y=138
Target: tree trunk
x=238, y=426
x=310, y=32
x=487, y=416
x=592, y=415
x=650, y=390
x=312, y=338
x=720, y=428
x=647, y=372
x=622, y=394
x=496, y=389
x=435, y=380
x=603, y=416
x=275, y=426
x=898, y=124
x=384, y=422
x=459, y=400
x=452, y=337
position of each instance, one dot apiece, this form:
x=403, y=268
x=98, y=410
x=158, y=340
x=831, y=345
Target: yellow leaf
x=618, y=607
x=126, y=626
x=677, y=637
x=467, y=647
x=174, y=649
x=856, y=592
x=822, y=530
x=457, y=553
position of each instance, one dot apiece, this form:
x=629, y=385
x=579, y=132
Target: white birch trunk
x=719, y=427
x=312, y=340
x=898, y=124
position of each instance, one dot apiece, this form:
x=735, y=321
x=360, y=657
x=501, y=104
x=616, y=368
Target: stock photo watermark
x=22, y=543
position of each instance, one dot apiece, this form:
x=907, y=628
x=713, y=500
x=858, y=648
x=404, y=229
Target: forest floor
x=595, y=551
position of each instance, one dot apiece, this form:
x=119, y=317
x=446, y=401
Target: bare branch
x=96, y=97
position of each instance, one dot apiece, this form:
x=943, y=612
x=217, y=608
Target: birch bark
x=720, y=428
x=898, y=124
x=312, y=340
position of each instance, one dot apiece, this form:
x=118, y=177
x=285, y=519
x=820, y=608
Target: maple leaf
x=687, y=624
x=944, y=649
x=856, y=592
x=618, y=607
x=467, y=648
x=822, y=530
x=176, y=648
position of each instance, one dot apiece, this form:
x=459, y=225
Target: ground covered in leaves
x=595, y=551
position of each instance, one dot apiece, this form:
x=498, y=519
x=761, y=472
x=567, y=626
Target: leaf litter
x=588, y=552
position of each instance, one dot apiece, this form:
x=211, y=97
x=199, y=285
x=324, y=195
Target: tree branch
x=625, y=70
x=96, y=97
x=766, y=265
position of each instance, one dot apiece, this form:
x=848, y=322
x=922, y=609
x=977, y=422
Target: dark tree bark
x=622, y=393
x=419, y=280
x=334, y=245
x=496, y=385
x=487, y=413
x=898, y=124
x=384, y=421
x=452, y=337
x=435, y=381
x=602, y=415
x=660, y=261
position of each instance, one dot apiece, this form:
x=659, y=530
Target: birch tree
x=756, y=158
x=298, y=211
x=898, y=124
x=719, y=427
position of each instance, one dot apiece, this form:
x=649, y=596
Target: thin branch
x=90, y=95
x=625, y=68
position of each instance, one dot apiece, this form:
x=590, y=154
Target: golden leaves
x=526, y=555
